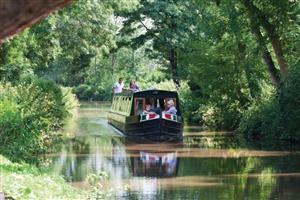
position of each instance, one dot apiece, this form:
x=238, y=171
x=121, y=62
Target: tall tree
x=266, y=55
x=168, y=24
x=259, y=18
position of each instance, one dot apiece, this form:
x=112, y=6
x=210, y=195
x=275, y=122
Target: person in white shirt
x=118, y=87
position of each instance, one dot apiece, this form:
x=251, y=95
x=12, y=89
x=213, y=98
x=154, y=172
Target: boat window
x=139, y=104
x=114, y=103
x=151, y=102
x=124, y=104
x=117, y=103
x=120, y=103
x=162, y=103
x=128, y=104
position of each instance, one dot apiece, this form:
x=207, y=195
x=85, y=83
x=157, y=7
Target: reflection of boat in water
x=127, y=114
x=155, y=165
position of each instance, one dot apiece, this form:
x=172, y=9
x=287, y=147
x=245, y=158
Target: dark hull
x=157, y=129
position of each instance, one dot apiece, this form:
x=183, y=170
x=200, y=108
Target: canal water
x=205, y=165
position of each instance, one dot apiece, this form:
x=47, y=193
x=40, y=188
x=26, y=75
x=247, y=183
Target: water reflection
x=202, y=166
x=87, y=155
x=154, y=165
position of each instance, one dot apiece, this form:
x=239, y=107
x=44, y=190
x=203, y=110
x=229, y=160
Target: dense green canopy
x=234, y=63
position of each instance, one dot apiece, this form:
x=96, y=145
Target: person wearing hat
x=171, y=107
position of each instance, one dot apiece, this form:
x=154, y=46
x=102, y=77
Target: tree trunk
x=243, y=61
x=173, y=65
x=266, y=56
x=272, y=35
x=17, y=15
x=279, y=56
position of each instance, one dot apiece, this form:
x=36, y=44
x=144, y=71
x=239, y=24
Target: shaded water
x=204, y=165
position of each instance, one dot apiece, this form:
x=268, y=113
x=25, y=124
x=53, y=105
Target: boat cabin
x=145, y=113
x=133, y=104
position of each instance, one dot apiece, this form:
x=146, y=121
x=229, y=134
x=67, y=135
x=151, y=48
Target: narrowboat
x=128, y=114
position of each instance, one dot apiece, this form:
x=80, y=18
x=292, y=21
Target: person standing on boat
x=118, y=87
x=133, y=86
x=171, y=107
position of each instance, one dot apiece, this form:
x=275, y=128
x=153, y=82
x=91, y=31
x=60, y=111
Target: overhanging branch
x=16, y=15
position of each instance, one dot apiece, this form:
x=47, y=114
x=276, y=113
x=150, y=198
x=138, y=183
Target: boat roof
x=151, y=93
x=156, y=93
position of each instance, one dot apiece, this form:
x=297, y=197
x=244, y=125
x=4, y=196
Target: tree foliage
x=230, y=53
x=166, y=24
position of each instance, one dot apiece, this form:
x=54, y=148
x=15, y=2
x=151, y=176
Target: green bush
x=289, y=99
x=83, y=91
x=92, y=92
x=70, y=101
x=276, y=116
x=17, y=142
x=189, y=104
x=262, y=120
x=223, y=116
x=41, y=103
x=30, y=113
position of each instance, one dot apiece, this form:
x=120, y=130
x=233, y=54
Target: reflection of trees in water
x=77, y=146
x=252, y=176
x=287, y=187
x=88, y=155
x=243, y=178
x=215, y=142
x=269, y=178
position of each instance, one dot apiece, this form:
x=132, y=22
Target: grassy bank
x=23, y=181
